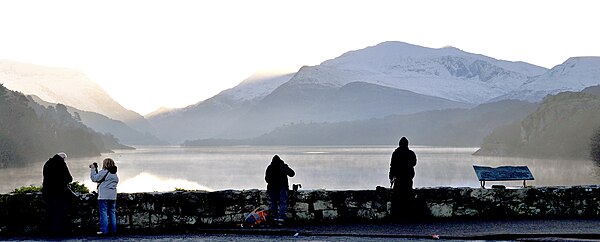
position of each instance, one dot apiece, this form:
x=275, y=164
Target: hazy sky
x=147, y=54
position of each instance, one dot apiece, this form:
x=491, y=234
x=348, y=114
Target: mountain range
x=374, y=85
x=391, y=78
x=97, y=110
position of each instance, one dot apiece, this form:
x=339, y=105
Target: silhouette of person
x=107, y=180
x=276, y=177
x=56, y=192
x=401, y=177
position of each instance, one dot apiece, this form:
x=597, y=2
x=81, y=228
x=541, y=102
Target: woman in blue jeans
x=107, y=180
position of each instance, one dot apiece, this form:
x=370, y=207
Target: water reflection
x=317, y=167
x=146, y=182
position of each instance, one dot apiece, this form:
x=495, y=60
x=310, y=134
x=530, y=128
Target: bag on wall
x=255, y=218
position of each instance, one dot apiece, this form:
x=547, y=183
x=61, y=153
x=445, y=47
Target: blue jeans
x=108, y=216
x=278, y=197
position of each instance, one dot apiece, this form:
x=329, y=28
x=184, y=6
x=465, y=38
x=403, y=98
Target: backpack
x=255, y=218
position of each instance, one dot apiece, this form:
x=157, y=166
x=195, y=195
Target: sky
x=148, y=54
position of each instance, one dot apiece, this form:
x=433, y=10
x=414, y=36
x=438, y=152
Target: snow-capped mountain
x=213, y=116
x=66, y=86
x=446, y=72
x=575, y=74
x=257, y=86
x=159, y=111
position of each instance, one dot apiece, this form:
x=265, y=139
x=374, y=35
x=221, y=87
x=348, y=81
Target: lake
x=163, y=168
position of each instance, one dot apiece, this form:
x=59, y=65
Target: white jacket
x=107, y=189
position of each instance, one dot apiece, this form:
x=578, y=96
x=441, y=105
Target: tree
x=30, y=132
x=77, y=117
x=2, y=92
x=595, y=146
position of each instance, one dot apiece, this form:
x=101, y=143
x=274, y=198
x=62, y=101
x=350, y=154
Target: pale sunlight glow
x=148, y=53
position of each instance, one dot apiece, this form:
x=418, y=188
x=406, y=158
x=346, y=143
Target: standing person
x=401, y=176
x=56, y=192
x=277, y=187
x=107, y=180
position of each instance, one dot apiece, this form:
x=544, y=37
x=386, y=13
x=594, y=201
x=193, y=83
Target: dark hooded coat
x=277, y=174
x=402, y=165
x=402, y=171
x=56, y=176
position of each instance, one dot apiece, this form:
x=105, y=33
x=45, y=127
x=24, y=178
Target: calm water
x=319, y=167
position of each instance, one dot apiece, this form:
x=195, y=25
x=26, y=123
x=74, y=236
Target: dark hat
x=403, y=141
x=276, y=158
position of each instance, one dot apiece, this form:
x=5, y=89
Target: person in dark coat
x=401, y=176
x=56, y=192
x=276, y=177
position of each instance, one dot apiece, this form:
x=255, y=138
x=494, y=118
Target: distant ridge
x=69, y=87
x=105, y=125
x=459, y=127
x=159, y=111
x=574, y=75
x=213, y=116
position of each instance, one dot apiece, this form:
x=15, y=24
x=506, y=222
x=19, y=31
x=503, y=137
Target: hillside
x=351, y=102
x=452, y=127
x=68, y=87
x=30, y=132
x=561, y=127
x=105, y=125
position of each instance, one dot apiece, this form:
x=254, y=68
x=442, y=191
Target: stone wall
x=185, y=211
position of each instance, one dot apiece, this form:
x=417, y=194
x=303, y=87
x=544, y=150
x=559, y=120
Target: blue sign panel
x=503, y=173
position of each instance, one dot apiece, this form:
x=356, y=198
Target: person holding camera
x=276, y=177
x=107, y=180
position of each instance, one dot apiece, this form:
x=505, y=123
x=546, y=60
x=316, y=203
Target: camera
x=94, y=165
x=296, y=186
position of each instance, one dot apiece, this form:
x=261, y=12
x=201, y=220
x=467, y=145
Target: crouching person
x=277, y=187
x=107, y=180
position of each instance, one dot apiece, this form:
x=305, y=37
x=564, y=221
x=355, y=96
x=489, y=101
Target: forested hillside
x=563, y=126
x=28, y=136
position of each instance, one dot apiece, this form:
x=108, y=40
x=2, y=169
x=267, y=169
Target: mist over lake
x=164, y=168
